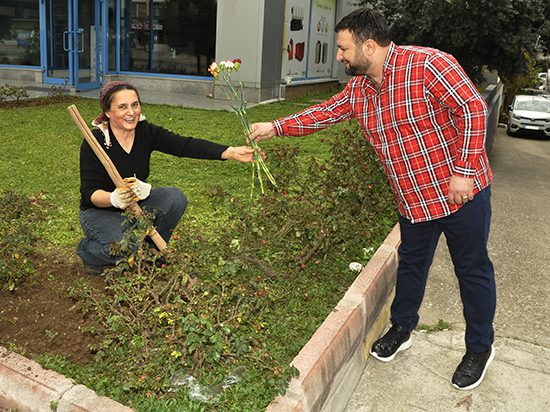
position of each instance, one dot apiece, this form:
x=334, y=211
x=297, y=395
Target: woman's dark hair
x=366, y=23
x=109, y=90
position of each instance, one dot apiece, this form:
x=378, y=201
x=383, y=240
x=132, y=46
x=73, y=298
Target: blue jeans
x=467, y=233
x=104, y=226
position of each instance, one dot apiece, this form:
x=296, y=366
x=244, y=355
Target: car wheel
x=509, y=132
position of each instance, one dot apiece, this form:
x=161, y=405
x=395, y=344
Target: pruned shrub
x=13, y=93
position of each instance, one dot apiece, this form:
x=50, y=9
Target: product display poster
x=295, y=39
x=321, y=39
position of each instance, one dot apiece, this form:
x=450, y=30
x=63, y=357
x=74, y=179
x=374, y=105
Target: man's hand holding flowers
x=261, y=131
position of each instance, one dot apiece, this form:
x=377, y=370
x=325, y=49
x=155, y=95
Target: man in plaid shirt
x=426, y=121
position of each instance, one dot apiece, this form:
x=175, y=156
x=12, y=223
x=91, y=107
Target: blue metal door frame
x=48, y=46
x=80, y=46
x=73, y=43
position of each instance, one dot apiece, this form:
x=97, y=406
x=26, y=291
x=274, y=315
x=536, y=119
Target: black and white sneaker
x=471, y=371
x=394, y=341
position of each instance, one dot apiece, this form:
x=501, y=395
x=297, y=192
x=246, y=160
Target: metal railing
x=493, y=96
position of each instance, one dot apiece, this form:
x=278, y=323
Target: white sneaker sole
x=476, y=383
x=405, y=345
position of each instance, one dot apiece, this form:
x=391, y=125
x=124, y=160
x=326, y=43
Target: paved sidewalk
x=419, y=378
x=519, y=377
x=195, y=101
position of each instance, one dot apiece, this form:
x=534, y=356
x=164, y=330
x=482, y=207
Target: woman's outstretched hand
x=240, y=153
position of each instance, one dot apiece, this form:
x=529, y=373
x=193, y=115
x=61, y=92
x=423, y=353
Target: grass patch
x=249, y=279
x=43, y=148
x=438, y=327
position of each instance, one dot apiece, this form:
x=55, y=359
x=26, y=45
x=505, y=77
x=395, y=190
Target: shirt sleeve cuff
x=464, y=169
x=278, y=126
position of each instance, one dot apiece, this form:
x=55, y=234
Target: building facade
x=168, y=45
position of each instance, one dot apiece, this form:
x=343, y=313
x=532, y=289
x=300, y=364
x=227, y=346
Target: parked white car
x=544, y=79
x=529, y=115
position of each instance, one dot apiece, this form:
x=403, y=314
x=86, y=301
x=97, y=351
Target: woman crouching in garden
x=129, y=139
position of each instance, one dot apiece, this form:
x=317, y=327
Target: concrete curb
x=332, y=361
x=27, y=387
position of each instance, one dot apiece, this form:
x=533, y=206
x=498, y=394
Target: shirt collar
x=390, y=57
x=365, y=81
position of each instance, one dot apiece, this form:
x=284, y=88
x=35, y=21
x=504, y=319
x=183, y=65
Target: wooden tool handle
x=111, y=170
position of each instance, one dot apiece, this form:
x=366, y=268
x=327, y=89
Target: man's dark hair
x=366, y=23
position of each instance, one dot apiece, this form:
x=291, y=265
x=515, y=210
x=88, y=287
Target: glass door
x=71, y=53
x=55, y=19
x=86, y=50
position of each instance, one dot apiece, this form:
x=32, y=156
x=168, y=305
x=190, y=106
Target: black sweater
x=148, y=138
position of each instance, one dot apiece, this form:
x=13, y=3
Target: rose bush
x=232, y=300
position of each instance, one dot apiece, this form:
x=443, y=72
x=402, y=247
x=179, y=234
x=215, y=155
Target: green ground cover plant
x=18, y=216
x=247, y=280
x=439, y=326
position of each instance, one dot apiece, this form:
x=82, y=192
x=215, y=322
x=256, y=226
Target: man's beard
x=351, y=71
x=361, y=67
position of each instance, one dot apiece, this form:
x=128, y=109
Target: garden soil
x=40, y=317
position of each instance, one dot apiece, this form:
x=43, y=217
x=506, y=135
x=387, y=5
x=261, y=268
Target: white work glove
x=141, y=189
x=122, y=197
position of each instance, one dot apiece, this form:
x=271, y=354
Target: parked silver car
x=529, y=115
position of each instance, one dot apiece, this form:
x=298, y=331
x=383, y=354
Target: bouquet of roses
x=235, y=95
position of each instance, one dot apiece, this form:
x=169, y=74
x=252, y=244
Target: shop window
x=167, y=36
x=19, y=32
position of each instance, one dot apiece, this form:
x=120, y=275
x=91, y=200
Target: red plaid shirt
x=426, y=123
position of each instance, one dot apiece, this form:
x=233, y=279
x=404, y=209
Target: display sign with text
x=321, y=39
x=295, y=39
